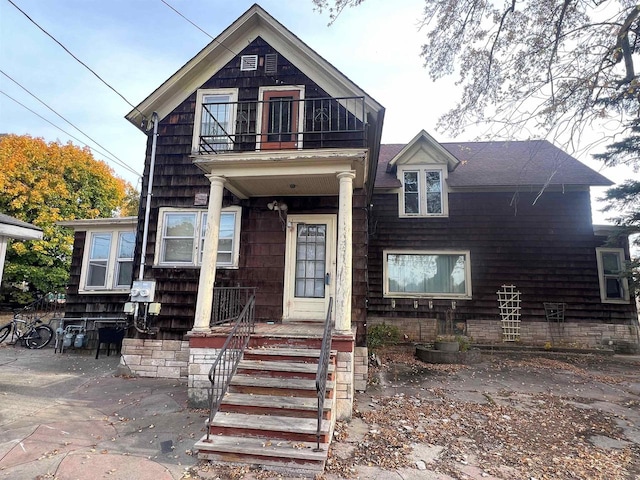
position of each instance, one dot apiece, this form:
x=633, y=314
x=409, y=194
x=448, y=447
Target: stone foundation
x=361, y=368
x=416, y=329
x=198, y=385
x=154, y=358
x=569, y=334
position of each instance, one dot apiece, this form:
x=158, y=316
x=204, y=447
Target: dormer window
x=423, y=192
x=214, y=126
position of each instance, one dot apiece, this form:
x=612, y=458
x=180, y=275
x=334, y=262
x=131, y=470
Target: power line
x=61, y=129
x=207, y=34
x=114, y=157
x=76, y=58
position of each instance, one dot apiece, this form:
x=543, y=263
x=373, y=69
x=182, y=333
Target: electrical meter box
x=143, y=291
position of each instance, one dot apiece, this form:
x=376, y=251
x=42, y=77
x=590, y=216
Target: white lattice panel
x=509, y=304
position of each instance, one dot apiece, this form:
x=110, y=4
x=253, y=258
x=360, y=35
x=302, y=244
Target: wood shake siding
x=88, y=304
x=262, y=239
x=546, y=250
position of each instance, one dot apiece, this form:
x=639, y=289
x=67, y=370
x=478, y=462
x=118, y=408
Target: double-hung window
x=108, y=264
x=182, y=235
x=422, y=192
x=431, y=274
x=614, y=286
x=214, y=126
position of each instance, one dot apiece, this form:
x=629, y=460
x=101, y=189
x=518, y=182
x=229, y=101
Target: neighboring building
x=268, y=173
x=12, y=228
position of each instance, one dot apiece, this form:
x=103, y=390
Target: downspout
x=147, y=209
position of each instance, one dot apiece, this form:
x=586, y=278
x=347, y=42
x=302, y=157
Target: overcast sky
x=135, y=45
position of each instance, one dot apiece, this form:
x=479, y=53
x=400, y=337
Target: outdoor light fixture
x=275, y=205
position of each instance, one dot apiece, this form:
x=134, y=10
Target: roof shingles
x=502, y=164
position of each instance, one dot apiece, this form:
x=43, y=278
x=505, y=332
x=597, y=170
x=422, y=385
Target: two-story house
x=266, y=189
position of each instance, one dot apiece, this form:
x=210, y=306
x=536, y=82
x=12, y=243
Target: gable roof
x=423, y=147
x=255, y=22
x=501, y=164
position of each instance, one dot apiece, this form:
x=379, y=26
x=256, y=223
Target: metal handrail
x=44, y=308
x=230, y=354
x=322, y=372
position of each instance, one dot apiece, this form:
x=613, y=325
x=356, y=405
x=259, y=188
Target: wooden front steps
x=269, y=415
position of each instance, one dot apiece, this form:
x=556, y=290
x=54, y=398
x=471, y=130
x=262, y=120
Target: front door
x=310, y=266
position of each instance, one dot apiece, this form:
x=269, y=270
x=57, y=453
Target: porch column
x=345, y=253
x=208, y=268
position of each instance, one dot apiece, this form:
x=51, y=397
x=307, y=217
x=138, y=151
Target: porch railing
x=45, y=308
x=230, y=355
x=228, y=303
x=282, y=123
x=323, y=369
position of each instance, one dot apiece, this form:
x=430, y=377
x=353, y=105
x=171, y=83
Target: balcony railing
x=281, y=123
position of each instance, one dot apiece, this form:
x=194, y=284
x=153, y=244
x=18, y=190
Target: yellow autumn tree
x=44, y=183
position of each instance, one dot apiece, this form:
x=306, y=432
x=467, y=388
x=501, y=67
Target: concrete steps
x=269, y=414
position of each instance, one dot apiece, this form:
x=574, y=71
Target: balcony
x=281, y=121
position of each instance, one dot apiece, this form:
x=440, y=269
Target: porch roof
x=286, y=172
x=13, y=228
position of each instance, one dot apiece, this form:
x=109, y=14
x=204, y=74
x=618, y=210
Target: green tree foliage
x=44, y=183
x=557, y=68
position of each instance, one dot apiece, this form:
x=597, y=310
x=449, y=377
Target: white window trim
x=422, y=190
x=233, y=94
x=111, y=263
x=625, y=283
x=261, y=92
x=436, y=296
x=195, y=263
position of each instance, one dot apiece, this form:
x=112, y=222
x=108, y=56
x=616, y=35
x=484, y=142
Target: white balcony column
x=344, y=269
x=208, y=268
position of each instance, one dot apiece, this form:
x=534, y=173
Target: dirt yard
x=512, y=416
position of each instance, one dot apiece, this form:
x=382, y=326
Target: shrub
x=382, y=335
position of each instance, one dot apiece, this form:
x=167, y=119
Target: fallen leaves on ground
x=538, y=436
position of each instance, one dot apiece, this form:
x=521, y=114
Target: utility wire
x=192, y=23
x=113, y=156
x=61, y=129
x=76, y=58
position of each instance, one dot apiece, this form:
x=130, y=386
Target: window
x=214, y=125
x=614, y=287
x=182, y=232
x=422, y=193
x=108, y=263
x=444, y=274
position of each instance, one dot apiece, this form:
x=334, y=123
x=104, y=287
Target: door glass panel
x=280, y=114
x=310, y=261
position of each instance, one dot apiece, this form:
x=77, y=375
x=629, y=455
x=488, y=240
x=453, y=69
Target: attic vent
x=271, y=63
x=248, y=62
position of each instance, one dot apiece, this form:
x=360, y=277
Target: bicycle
x=34, y=333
